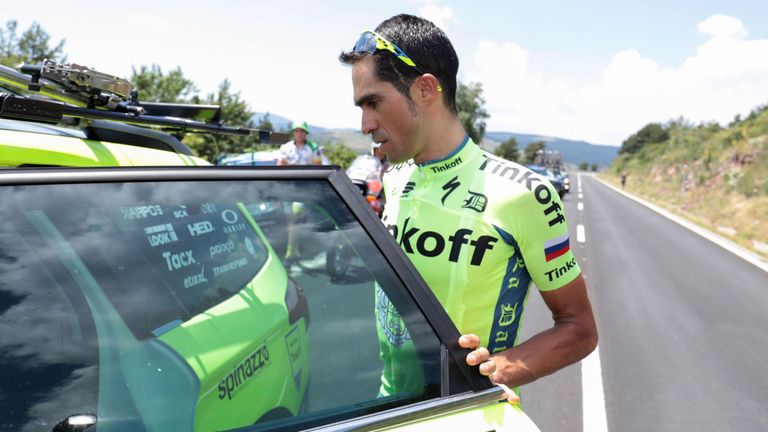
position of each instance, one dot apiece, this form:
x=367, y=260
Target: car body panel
x=27, y=148
x=235, y=368
x=496, y=416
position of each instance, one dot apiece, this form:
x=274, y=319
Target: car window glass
x=213, y=305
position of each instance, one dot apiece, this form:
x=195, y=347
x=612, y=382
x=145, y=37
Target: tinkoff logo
x=433, y=244
x=553, y=211
x=446, y=165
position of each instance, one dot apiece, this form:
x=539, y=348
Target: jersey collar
x=450, y=164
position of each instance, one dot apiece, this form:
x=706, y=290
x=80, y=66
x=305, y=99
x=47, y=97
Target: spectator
x=300, y=151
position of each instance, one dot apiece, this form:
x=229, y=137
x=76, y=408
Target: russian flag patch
x=556, y=247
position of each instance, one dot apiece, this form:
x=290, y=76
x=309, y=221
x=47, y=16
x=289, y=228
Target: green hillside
x=714, y=176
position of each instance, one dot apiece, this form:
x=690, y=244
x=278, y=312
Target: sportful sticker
x=556, y=247
x=293, y=344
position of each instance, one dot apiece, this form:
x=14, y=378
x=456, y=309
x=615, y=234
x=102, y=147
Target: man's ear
x=428, y=88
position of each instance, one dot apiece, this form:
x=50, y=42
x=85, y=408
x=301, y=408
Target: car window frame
x=456, y=376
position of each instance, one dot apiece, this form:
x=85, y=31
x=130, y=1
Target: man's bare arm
x=572, y=337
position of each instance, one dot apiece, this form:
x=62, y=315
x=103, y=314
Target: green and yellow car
x=183, y=316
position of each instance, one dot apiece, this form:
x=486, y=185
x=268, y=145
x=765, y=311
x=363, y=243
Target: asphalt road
x=683, y=327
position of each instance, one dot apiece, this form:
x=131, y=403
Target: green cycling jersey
x=480, y=230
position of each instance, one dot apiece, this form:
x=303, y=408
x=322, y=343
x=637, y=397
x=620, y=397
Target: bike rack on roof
x=74, y=91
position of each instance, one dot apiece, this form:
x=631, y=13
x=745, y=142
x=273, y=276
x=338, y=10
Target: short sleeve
x=284, y=150
x=541, y=232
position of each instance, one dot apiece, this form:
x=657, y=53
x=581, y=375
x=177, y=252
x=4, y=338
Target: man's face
x=387, y=114
x=299, y=136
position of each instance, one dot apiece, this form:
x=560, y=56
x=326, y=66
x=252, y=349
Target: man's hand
x=479, y=355
x=487, y=366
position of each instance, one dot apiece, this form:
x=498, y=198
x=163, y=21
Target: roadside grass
x=713, y=176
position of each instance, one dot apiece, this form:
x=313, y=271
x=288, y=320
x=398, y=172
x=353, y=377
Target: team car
x=178, y=295
x=138, y=298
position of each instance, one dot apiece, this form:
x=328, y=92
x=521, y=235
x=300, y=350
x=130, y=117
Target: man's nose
x=368, y=124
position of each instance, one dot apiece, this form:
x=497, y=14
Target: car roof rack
x=52, y=93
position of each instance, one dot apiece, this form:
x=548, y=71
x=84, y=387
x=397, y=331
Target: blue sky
x=590, y=70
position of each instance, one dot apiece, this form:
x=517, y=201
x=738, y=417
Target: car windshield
x=197, y=305
x=540, y=170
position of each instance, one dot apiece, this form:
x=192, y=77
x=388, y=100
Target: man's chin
x=394, y=159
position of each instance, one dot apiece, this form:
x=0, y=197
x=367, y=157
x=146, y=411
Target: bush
x=339, y=154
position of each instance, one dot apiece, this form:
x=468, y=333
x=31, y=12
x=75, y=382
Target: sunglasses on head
x=371, y=41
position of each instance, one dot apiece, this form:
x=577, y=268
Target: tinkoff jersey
x=480, y=230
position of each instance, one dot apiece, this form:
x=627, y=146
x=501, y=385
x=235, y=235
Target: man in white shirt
x=300, y=151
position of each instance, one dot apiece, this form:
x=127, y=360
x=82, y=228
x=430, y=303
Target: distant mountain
x=281, y=123
x=574, y=152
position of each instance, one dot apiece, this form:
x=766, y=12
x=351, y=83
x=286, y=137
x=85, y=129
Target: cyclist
x=479, y=229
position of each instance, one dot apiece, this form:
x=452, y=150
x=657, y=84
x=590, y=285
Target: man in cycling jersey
x=480, y=230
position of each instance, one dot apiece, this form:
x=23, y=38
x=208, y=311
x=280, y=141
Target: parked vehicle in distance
x=557, y=182
x=256, y=158
x=563, y=175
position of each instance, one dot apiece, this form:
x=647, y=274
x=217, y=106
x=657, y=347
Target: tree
x=339, y=154
x=649, y=134
x=31, y=47
x=155, y=86
x=472, y=113
x=531, y=150
x=583, y=166
x=508, y=150
x=234, y=112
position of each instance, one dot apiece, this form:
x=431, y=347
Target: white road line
x=593, y=398
x=578, y=180
x=580, y=235
x=581, y=195
x=580, y=206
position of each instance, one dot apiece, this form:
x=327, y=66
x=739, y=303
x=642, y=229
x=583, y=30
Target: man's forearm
x=551, y=350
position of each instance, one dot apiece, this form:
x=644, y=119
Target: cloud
x=724, y=26
x=727, y=75
x=441, y=16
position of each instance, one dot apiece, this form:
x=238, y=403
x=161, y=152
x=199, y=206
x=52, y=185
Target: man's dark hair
x=425, y=44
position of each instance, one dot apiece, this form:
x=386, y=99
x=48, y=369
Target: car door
x=162, y=298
